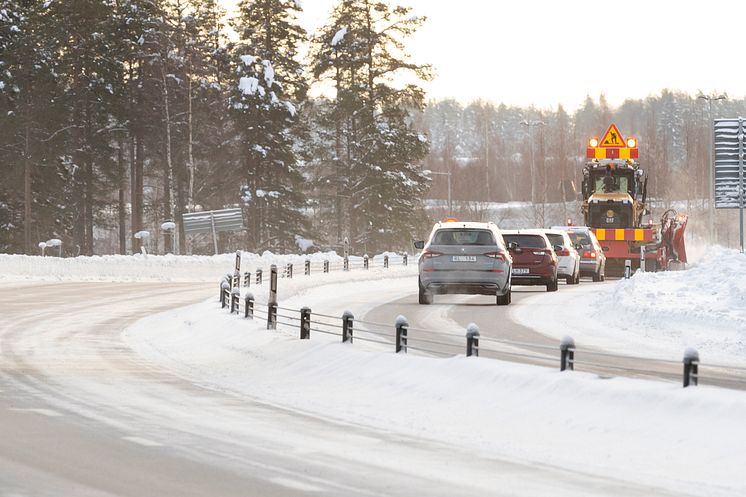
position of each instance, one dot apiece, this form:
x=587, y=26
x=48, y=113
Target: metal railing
x=403, y=338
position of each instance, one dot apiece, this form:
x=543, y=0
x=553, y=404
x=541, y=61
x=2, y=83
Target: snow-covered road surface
x=630, y=432
x=82, y=414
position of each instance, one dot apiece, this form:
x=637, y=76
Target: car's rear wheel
x=597, y=276
x=570, y=280
x=504, y=299
x=426, y=298
x=552, y=285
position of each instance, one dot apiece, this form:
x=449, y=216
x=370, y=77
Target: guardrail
x=238, y=279
x=403, y=338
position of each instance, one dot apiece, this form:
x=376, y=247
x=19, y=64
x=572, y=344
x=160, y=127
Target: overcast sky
x=545, y=52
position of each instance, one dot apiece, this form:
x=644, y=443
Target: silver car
x=592, y=257
x=464, y=258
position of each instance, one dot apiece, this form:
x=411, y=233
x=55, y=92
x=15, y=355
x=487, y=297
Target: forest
x=119, y=115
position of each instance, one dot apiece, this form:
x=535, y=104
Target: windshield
x=611, y=184
x=526, y=241
x=463, y=237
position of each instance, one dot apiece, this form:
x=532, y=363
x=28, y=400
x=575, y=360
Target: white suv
x=569, y=259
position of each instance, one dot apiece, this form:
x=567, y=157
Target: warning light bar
x=612, y=146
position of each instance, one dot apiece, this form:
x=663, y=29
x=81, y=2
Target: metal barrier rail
x=398, y=335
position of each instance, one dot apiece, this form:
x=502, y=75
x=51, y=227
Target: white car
x=569, y=259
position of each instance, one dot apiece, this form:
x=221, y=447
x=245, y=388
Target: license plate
x=520, y=270
x=464, y=258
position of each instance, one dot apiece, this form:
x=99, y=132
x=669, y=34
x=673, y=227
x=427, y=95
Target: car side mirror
x=512, y=246
x=419, y=244
x=558, y=248
x=578, y=246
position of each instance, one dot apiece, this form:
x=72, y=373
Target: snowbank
x=153, y=267
x=655, y=314
x=647, y=432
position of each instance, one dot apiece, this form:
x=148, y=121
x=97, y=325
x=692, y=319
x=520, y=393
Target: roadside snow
x=655, y=314
x=156, y=268
x=647, y=432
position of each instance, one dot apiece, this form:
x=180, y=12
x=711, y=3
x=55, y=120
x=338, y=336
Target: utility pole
x=711, y=174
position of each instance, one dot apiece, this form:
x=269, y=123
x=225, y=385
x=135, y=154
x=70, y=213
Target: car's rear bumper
x=538, y=275
x=470, y=282
x=589, y=268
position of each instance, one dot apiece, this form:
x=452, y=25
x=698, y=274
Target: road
x=82, y=415
x=536, y=348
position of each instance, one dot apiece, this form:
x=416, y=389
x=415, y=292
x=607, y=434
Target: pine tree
x=269, y=91
x=361, y=51
x=32, y=190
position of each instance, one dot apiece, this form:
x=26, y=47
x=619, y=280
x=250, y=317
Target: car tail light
x=430, y=254
x=589, y=255
x=565, y=252
x=497, y=255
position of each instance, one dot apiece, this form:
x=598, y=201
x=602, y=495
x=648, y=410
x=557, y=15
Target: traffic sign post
x=730, y=183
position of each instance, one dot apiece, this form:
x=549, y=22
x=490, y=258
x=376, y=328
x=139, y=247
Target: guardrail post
x=401, y=334
x=236, y=283
x=289, y=270
x=347, y=320
x=235, y=296
x=248, y=306
x=365, y=261
x=472, y=340
x=224, y=288
x=386, y=261
x=627, y=269
x=691, y=367
x=404, y=258
x=272, y=303
x=567, y=354
x=305, y=323
x=272, y=316
x=307, y=268
x=259, y=276
x=247, y=279
x=346, y=263
x=326, y=266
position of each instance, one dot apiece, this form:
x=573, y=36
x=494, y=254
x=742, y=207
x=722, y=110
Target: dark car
x=534, y=259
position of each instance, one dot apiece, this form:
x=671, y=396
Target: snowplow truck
x=615, y=208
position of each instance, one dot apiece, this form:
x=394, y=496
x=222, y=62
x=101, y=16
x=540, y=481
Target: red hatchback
x=534, y=259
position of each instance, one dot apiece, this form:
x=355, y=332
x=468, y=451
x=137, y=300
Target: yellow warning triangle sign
x=612, y=138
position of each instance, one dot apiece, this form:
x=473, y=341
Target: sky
x=549, y=52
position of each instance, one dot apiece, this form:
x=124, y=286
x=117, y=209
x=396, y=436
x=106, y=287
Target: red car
x=534, y=259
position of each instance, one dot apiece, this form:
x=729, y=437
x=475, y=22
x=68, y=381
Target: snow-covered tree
x=361, y=52
x=268, y=94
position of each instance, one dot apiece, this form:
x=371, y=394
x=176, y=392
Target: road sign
x=612, y=138
x=213, y=222
x=730, y=183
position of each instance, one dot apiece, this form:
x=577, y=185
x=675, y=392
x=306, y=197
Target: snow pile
x=658, y=314
x=149, y=268
x=638, y=431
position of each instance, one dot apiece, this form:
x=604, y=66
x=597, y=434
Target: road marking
x=44, y=412
x=295, y=484
x=142, y=441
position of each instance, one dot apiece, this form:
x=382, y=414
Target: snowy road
x=81, y=414
x=548, y=312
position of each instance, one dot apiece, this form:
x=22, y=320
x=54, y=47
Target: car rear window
x=526, y=241
x=578, y=237
x=556, y=239
x=463, y=237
